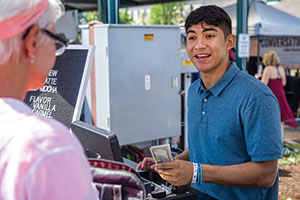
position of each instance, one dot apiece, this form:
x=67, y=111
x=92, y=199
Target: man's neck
x=209, y=79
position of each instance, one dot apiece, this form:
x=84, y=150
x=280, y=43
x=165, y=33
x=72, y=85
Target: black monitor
x=97, y=141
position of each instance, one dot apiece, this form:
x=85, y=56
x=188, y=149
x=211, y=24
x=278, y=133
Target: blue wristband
x=199, y=180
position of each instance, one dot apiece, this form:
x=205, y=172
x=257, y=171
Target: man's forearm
x=184, y=155
x=250, y=174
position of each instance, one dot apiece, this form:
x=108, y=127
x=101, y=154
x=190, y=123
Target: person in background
x=274, y=77
x=255, y=66
x=39, y=158
x=232, y=55
x=234, y=137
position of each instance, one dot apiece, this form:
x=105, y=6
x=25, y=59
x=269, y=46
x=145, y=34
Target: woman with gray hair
x=39, y=158
x=274, y=77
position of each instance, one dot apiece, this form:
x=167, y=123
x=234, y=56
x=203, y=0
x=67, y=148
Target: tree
x=167, y=13
x=92, y=15
x=125, y=18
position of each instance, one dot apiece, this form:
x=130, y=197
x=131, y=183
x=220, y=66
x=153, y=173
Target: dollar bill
x=161, y=153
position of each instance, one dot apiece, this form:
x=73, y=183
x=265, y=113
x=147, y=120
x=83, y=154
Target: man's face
x=208, y=48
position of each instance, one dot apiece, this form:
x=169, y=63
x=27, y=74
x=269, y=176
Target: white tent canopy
x=266, y=20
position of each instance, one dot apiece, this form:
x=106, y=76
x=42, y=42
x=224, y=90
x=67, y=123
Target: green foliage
x=125, y=18
x=292, y=147
x=92, y=15
x=292, y=158
x=168, y=13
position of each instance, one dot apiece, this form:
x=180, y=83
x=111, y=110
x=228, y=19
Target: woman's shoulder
x=281, y=68
x=48, y=133
x=269, y=68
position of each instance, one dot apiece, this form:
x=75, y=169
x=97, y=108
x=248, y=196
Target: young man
x=233, y=120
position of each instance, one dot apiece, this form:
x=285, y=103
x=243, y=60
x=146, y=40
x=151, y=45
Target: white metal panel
x=137, y=81
x=102, y=78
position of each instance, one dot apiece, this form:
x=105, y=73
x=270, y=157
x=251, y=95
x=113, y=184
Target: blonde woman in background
x=274, y=76
x=39, y=158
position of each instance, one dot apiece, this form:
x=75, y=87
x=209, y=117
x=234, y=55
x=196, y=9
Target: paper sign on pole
x=244, y=45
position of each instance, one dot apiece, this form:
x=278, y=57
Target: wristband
x=195, y=172
x=199, y=180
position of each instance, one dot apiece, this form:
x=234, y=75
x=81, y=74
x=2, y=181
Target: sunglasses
x=60, y=43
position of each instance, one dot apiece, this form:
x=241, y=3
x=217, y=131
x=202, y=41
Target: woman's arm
x=266, y=76
x=282, y=74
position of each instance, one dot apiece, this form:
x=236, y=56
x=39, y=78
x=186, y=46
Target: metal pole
x=242, y=16
x=117, y=6
x=102, y=10
x=113, y=11
x=110, y=10
x=245, y=27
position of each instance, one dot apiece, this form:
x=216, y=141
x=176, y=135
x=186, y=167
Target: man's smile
x=200, y=57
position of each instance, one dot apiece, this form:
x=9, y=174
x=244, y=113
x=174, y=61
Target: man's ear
x=31, y=41
x=231, y=39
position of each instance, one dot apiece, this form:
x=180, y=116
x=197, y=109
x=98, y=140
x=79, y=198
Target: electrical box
x=137, y=75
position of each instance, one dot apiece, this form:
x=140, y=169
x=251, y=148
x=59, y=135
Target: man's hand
x=146, y=164
x=178, y=172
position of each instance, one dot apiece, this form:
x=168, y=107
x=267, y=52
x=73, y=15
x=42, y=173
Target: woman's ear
x=31, y=41
x=231, y=39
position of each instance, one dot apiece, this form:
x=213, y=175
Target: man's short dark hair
x=212, y=15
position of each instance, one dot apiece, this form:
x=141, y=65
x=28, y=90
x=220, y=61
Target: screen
x=97, y=142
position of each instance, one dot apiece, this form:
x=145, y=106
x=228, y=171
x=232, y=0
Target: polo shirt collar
x=222, y=82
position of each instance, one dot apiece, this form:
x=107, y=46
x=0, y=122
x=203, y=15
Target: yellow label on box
x=187, y=62
x=148, y=37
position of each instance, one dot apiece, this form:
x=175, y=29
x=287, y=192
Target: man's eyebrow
x=209, y=29
x=204, y=30
x=190, y=31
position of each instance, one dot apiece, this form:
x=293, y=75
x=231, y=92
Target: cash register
x=98, y=143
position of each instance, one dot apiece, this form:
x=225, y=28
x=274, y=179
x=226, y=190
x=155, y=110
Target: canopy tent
x=266, y=20
x=86, y=5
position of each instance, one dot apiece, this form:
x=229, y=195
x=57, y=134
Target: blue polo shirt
x=235, y=121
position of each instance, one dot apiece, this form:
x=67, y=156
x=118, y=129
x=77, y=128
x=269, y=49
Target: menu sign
x=64, y=90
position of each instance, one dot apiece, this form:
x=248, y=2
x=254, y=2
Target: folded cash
x=161, y=153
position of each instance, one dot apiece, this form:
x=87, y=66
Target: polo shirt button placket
x=204, y=100
x=203, y=113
